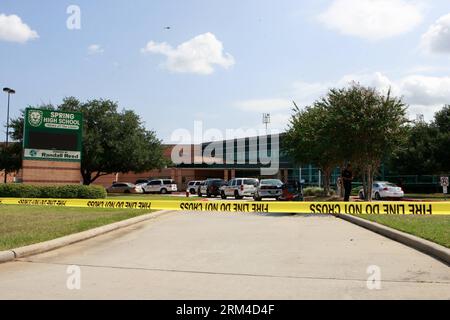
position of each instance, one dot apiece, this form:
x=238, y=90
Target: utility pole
x=9, y=91
x=266, y=121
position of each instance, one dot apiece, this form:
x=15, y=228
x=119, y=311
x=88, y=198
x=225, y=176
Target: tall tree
x=113, y=141
x=11, y=158
x=442, y=151
x=369, y=125
x=309, y=139
x=426, y=150
x=417, y=154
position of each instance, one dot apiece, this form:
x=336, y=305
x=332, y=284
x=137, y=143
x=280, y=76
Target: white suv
x=239, y=188
x=162, y=186
x=194, y=186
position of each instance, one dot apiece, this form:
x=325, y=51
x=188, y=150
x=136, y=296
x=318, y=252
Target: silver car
x=124, y=187
x=268, y=188
x=384, y=190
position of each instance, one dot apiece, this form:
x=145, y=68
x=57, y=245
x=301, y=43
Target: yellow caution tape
x=376, y=208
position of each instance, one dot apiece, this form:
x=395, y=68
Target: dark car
x=211, y=188
x=292, y=191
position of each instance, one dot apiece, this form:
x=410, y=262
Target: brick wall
x=51, y=172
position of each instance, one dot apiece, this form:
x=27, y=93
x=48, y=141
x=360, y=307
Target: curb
x=13, y=254
x=430, y=248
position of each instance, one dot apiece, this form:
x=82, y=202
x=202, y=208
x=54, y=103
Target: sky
x=223, y=63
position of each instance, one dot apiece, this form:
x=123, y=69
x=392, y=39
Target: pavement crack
x=230, y=273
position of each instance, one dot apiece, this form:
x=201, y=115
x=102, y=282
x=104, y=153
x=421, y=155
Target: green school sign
x=52, y=135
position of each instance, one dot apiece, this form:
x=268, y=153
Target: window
x=251, y=182
x=154, y=183
x=391, y=185
x=120, y=185
x=168, y=182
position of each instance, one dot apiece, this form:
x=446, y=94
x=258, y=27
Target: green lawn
x=433, y=228
x=433, y=196
x=21, y=226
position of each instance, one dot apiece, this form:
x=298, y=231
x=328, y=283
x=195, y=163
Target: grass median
x=433, y=196
x=432, y=228
x=22, y=226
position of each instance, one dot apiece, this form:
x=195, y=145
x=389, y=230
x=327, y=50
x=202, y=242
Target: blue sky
x=237, y=59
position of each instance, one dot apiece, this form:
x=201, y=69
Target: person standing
x=347, y=178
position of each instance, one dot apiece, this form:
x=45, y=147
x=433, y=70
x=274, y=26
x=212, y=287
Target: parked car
x=268, y=188
x=193, y=186
x=292, y=191
x=239, y=188
x=384, y=190
x=211, y=188
x=141, y=182
x=162, y=186
x=124, y=187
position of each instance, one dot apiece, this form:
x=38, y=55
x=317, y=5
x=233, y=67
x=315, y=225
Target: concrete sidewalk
x=230, y=256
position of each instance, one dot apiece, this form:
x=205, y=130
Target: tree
x=356, y=124
x=113, y=142
x=417, y=155
x=309, y=140
x=369, y=126
x=11, y=158
x=425, y=150
x=442, y=150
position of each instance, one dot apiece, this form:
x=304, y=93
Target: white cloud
x=94, y=49
x=305, y=93
x=424, y=94
x=264, y=105
x=12, y=29
x=422, y=90
x=376, y=80
x=437, y=38
x=372, y=19
x=199, y=55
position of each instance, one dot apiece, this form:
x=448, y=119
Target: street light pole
x=9, y=91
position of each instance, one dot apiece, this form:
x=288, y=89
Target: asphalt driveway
x=188, y=255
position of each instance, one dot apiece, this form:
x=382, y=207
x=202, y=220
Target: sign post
x=52, y=144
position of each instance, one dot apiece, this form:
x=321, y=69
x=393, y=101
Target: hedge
x=52, y=192
x=316, y=192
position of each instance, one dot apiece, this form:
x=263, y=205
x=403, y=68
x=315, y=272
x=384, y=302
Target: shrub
x=316, y=192
x=52, y=192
